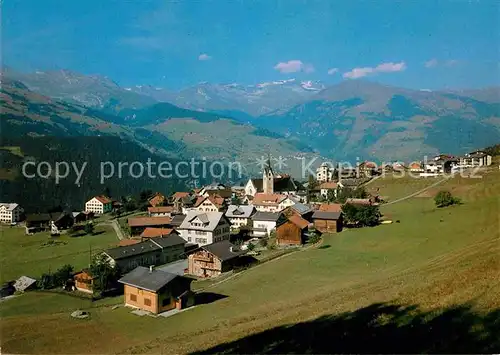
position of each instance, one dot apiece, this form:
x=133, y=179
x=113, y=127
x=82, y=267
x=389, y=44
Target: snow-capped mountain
x=255, y=99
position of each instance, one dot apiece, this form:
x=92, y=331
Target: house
x=160, y=211
x=10, y=212
x=151, y=232
x=349, y=183
x=156, y=291
x=84, y=281
x=177, y=220
x=263, y=223
x=290, y=231
x=478, y=158
x=62, y=220
x=239, y=216
x=273, y=183
x=367, y=169
x=416, y=167
x=299, y=209
x=216, y=189
x=204, y=227
x=157, y=199
x=25, y=283
x=327, y=221
x=153, y=251
x=272, y=202
x=138, y=224
x=210, y=203
x=99, y=204
x=214, y=259
x=328, y=186
x=325, y=172
x=79, y=217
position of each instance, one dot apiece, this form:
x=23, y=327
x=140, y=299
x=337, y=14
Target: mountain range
x=353, y=119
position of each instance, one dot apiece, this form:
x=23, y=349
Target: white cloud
x=451, y=63
x=389, y=67
x=204, y=56
x=431, y=63
x=294, y=66
x=332, y=71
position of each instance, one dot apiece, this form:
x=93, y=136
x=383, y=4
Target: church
x=272, y=183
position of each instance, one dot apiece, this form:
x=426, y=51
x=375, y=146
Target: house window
x=165, y=301
x=147, y=302
x=133, y=298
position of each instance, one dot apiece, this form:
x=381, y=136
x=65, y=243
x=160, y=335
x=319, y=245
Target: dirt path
x=418, y=192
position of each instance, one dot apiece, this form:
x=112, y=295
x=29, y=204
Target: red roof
x=103, y=199
x=298, y=221
x=359, y=201
x=148, y=221
x=267, y=199
x=330, y=207
x=179, y=195
x=161, y=209
x=126, y=242
x=157, y=199
x=328, y=185
x=156, y=232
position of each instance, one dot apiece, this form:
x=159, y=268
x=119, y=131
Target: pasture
x=434, y=271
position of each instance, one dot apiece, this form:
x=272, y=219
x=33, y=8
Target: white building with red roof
x=99, y=205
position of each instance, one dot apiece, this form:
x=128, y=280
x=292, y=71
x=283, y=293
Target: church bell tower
x=268, y=178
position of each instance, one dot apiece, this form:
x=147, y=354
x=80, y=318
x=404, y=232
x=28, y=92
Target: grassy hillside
x=431, y=279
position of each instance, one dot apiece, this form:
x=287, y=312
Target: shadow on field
x=208, y=297
x=379, y=328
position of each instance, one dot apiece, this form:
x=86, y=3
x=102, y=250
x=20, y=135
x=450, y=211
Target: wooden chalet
x=214, y=259
x=291, y=231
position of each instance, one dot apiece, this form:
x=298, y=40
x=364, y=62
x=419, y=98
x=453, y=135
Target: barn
x=291, y=231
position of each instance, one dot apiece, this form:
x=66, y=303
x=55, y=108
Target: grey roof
x=210, y=220
x=266, y=216
x=222, y=250
x=152, y=281
x=132, y=250
x=242, y=211
x=177, y=220
x=349, y=182
x=168, y=241
x=301, y=208
x=23, y=283
x=9, y=206
x=326, y=215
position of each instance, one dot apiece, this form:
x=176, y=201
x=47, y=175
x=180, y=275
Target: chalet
x=99, y=204
x=272, y=202
x=214, y=259
x=325, y=172
x=478, y=158
x=299, y=209
x=10, y=212
x=367, y=168
x=216, y=189
x=160, y=211
x=291, y=231
x=210, y=203
x=84, y=281
x=416, y=167
x=239, y=216
x=153, y=251
x=263, y=223
x=151, y=232
x=138, y=224
x=157, y=199
x=326, y=187
x=62, y=220
x=273, y=183
x=327, y=222
x=204, y=227
x=156, y=291
x=79, y=217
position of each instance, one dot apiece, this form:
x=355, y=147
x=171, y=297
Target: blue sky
x=417, y=44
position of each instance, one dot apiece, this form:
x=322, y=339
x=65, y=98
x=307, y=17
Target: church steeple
x=268, y=178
